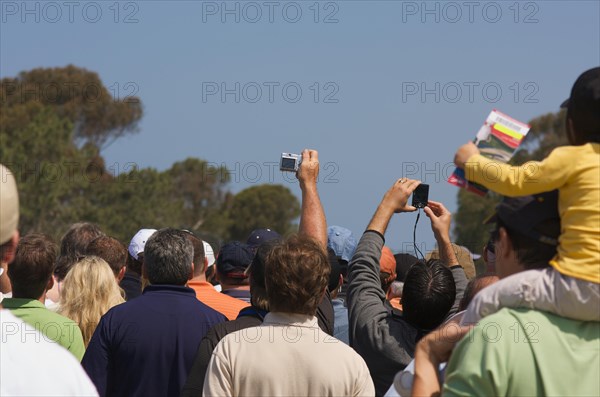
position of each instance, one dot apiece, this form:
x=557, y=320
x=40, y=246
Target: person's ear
x=121, y=274
x=485, y=254
x=191, y=275
x=50, y=284
x=504, y=247
x=11, y=248
x=205, y=265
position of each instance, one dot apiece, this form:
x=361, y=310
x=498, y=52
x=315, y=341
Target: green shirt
x=55, y=327
x=522, y=352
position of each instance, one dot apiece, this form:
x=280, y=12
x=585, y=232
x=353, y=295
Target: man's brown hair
x=32, y=267
x=296, y=275
x=73, y=246
x=111, y=250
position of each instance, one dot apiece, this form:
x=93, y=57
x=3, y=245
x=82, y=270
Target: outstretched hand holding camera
x=395, y=200
x=312, y=217
x=308, y=171
x=396, y=197
x=441, y=219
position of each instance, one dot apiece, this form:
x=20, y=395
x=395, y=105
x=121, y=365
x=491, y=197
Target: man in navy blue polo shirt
x=146, y=346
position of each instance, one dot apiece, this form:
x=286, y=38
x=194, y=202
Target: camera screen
x=287, y=163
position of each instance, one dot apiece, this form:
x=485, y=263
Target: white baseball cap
x=209, y=253
x=138, y=242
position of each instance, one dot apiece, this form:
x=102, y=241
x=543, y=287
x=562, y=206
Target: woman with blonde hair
x=89, y=290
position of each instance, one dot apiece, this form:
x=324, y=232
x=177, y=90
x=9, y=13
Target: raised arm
x=368, y=313
x=441, y=220
x=431, y=351
x=395, y=200
x=312, y=217
x=313, y=224
x=532, y=177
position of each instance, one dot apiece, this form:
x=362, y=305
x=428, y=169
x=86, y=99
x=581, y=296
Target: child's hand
x=464, y=153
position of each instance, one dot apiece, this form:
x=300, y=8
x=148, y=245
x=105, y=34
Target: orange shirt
x=207, y=294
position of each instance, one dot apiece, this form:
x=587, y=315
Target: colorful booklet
x=498, y=139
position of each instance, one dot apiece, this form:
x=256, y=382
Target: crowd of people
x=318, y=312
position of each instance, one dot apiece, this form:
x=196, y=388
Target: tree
x=98, y=117
x=139, y=198
x=50, y=171
x=201, y=187
x=53, y=125
x=547, y=132
x=262, y=206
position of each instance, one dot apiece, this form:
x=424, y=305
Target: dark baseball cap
x=585, y=92
x=260, y=236
x=532, y=216
x=233, y=260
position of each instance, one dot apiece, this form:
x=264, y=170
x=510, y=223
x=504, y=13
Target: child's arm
x=530, y=178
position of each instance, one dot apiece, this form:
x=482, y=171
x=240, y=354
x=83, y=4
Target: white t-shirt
x=32, y=365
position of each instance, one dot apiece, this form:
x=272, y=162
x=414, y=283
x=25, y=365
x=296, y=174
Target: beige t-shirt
x=288, y=355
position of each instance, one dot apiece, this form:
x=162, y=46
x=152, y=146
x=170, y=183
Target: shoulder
x=223, y=329
x=59, y=318
x=29, y=354
x=228, y=345
x=566, y=152
x=122, y=309
x=208, y=313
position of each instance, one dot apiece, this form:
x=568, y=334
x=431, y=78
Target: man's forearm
x=312, y=218
x=381, y=219
x=425, y=381
x=446, y=250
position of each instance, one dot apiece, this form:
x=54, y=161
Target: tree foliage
x=53, y=125
x=262, y=206
x=547, y=132
x=76, y=94
x=202, y=188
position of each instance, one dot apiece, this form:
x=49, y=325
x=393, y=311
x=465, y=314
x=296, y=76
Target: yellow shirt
x=575, y=172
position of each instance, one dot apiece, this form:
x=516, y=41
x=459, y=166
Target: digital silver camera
x=290, y=162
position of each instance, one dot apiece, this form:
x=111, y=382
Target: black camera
x=421, y=196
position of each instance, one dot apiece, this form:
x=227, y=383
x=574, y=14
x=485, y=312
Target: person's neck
x=41, y=299
x=235, y=286
x=201, y=278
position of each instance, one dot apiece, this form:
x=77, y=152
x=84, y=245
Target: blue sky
x=382, y=89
